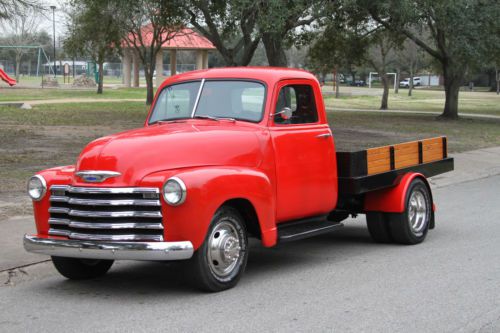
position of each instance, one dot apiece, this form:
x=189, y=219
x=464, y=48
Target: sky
x=46, y=17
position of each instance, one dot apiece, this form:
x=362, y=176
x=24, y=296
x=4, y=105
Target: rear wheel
x=378, y=226
x=81, y=269
x=411, y=226
x=219, y=263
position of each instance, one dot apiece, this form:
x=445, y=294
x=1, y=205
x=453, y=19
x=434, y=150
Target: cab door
x=306, y=171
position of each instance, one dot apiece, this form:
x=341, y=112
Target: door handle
x=324, y=135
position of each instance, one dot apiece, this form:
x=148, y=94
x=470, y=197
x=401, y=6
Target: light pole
x=54, y=35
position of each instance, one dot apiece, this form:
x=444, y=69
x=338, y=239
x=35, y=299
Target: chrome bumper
x=109, y=250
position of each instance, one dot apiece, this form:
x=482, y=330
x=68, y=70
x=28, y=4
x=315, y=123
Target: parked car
x=406, y=82
x=358, y=83
x=225, y=154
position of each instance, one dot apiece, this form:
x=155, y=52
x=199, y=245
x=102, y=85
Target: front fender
x=392, y=200
x=54, y=176
x=207, y=189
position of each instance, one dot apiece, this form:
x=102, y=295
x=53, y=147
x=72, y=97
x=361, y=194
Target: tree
x=279, y=23
x=380, y=56
x=337, y=47
x=229, y=24
x=409, y=58
x=461, y=34
x=11, y=8
x=22, y=25
x=94, y=31
x=150, y=24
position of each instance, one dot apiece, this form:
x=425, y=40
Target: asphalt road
x=337, y=282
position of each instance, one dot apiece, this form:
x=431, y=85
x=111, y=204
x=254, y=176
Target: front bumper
x=109, y=250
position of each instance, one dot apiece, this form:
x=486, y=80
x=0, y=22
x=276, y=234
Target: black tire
x=81, y=269
x=203, y=268
x=400, y=225
x=378, y=226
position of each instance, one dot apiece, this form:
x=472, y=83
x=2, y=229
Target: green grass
x=360, y=130
x=77, y=114
x=21, y=94
x=422, y=100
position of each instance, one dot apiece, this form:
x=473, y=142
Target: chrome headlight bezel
x=180, y=189
x=43, y=184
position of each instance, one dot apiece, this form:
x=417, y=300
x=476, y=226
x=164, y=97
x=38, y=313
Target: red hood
x=137, y=153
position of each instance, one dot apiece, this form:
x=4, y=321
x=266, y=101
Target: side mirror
x=285, y=113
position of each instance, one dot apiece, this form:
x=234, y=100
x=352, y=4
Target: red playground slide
x=10, y=81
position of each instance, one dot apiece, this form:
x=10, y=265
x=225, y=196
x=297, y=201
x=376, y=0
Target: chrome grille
x=120, y=214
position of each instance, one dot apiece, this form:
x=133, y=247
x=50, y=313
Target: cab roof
x=269, y=75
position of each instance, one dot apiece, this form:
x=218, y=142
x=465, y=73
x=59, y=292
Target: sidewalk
x=469, y=166
x=467, y=115
x=71, y=100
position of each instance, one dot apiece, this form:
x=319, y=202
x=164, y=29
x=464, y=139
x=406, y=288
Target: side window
x=300, y=100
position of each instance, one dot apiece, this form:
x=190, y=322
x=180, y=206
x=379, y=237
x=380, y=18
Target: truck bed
x=377, y=168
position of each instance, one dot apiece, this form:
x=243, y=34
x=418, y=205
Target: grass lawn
x=54, y=134
x=359, y=130
x=422, y=100
x=22, y=94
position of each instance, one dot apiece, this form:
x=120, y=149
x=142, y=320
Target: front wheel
x=81, y=269
x=219, y=263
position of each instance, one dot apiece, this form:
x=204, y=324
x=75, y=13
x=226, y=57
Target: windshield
x=241, y=100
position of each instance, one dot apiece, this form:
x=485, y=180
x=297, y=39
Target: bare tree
x=22, y=26
x=149, y=25
x=10, y=8
x=380, y=56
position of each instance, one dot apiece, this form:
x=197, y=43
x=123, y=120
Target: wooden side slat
x=378, y=160
x=432, y=149
x=406, y=154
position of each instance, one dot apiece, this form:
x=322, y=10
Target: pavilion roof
x=185, y=38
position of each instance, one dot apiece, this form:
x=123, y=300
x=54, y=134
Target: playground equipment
x=36, y=48
x=10, y=81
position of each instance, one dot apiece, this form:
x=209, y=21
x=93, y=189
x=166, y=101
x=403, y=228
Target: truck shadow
x=153, y=279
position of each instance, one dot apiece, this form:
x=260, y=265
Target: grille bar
x=102, y=202
x=85, y=213
x=106, y=214
x=84, y=236
x=94, y=225
x=104, y=190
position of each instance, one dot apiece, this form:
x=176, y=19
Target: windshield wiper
x=167, y=121
x=214, y=118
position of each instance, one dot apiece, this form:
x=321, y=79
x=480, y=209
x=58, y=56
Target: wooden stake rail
x=403, y=155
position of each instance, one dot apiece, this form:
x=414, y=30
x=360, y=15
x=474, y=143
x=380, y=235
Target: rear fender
x=207, y=190
x=392, y=200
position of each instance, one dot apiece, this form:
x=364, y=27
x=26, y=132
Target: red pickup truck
x=226, y=154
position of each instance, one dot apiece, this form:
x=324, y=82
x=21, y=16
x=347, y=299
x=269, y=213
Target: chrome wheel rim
x=224, y=249
x=417, y=212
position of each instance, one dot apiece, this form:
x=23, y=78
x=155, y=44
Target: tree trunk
x=452, y=81
x=410, y=86
x=385, y=95
x=497, y=72
x=18, y=65
x=149, y=84
x=337, y=84
x=396, y=84
x=100, y=77
x=275, y=53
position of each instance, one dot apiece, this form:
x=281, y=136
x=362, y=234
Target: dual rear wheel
x=408, y=227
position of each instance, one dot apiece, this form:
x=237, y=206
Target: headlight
x=37, y=187
x=174, y=191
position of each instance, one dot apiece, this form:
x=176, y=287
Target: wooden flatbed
x=377, y=168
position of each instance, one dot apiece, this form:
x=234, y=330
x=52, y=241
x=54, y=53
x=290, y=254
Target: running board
x=305, y=228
